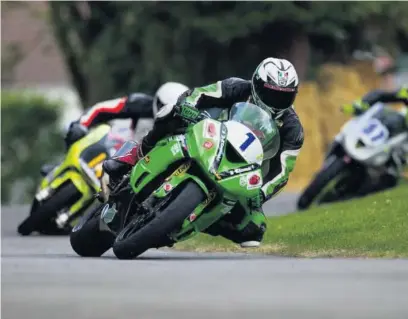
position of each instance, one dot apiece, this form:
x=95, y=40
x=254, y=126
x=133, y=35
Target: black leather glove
x=75, y=132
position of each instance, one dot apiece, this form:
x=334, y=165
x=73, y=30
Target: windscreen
x=260, y=123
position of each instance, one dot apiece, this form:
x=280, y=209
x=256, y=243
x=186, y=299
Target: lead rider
x=273, y=87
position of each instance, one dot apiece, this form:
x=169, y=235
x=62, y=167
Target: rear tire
x=321, y=180
x=43, y=214
x=166, y=221
x=87, y=239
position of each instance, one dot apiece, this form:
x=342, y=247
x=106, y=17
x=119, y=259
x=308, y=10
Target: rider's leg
x=240, y=227
x=120, y=164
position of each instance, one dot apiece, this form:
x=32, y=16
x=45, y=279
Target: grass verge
x=375, y=226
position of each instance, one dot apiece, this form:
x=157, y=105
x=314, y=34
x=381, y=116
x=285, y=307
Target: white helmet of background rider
x=168, y=93
x=275, y=85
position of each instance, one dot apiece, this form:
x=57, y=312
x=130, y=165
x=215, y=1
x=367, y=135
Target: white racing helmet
x=168, y=93
x=275, y=85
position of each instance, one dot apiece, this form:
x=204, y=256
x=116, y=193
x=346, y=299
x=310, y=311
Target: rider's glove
x=190, y=114
x=355, y=108
x=75, y=132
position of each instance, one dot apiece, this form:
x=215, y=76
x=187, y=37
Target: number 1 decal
x=248, y=141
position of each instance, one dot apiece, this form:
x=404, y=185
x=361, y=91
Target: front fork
x=115, y=196
x=109, y=217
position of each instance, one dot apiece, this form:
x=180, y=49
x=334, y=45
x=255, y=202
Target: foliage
x=29, y=139
x=112, y=48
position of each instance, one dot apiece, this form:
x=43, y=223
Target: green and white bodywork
x=223, y=158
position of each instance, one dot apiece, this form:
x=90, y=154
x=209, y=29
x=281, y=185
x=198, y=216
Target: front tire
x=44, y=213
x=320, y=182
x=87, y=239
x=129, y=245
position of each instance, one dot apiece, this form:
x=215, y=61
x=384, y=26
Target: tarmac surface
x=43, y=278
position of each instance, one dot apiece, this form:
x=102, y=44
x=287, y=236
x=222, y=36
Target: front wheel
x=136, y=238
x=332, y=178
x=43, y=214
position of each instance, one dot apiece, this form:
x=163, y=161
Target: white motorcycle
x=368, y=147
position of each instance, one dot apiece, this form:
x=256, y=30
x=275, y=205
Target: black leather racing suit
x=133, y=106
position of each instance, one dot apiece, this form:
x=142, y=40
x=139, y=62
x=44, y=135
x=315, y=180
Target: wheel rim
x=135, y=225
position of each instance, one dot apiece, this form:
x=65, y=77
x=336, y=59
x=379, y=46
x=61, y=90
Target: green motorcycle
x=181, y=187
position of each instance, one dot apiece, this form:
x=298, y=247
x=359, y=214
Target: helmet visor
x=275, y=97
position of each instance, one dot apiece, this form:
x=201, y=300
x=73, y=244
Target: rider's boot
x=122, y=162
x=246, y=231
x=250, y=236
x=119, y=165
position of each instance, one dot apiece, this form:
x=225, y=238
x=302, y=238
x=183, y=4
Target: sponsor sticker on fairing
x=254, y=180
x=220, y=151
x=237, y=171
x=210, y=130
x=175, y=149
x=208, y=145
x=167, y=187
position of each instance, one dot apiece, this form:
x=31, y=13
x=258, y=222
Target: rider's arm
x=400, y=95
x=134, y=106
x=221, y=94
x=284, y=162
x=396, y=96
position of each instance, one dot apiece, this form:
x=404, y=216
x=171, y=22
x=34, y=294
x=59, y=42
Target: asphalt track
x=42, y=278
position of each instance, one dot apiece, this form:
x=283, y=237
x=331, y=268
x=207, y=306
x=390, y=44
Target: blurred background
x=58, y=58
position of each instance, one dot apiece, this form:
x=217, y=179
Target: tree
x=112, y=48
x=24, y=148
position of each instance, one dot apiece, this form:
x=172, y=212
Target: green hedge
x=29, y=138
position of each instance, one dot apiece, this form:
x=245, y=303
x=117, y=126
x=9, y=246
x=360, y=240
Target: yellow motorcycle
x=69, y=189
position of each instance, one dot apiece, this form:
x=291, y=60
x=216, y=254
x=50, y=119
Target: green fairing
x=195, y=141
x=156, y=162
x=205, y=158
x=201, y=151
